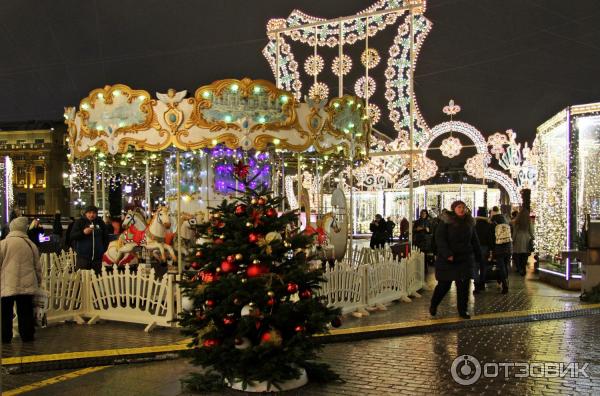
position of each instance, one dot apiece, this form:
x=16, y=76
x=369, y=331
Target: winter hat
x=91, y=208
x=19, y=224
x=495, y=211
x=456, y=203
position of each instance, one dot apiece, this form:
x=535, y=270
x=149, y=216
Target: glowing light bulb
x=234, y=88
x=276, y=141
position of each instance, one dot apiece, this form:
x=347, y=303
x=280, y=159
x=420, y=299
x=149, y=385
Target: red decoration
x=211, y=342
x=230, y=258
x=320, y=232
x=255, y=270
x=299, y=329
x=265, y=337
x=305, y=294
x=199, y=253
x=336, y=322
x=255, y=217
x=240, y=209
x=207, y=277
x=241, y=170
x=195, y=265
x=227, y=266
x=271, y=302
x=253, y=238
x=261, y=201
x=218, y=241
x=209, y=303
x=271, y=212
x=292, y=287
x=227, y=321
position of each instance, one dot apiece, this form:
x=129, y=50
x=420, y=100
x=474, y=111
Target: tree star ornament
x=241, y=170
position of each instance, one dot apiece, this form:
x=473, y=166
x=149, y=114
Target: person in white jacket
x=20, y=279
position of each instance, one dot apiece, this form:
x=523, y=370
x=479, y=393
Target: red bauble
x=218, y=241
x=305, y=294
x=231, y=258
x=299, y=329
x=262, y=201
x=336, y=322
x=209, y=303
x=292, y=287
x=211, y=342
x=228, y=321
x=271, y=302
x=240, y=210
x=207, y=277
x=221, y=224
x=265, y=337
x=195, y=265
x=271, y=212
x=199, y=253
x=253, y=238
x=255, y=270
x=227, y=267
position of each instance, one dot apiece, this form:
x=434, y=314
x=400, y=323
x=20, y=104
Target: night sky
x=509, y=64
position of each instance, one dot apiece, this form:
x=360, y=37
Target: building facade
x=39, y=161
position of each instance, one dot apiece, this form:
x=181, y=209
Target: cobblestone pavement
x=411, y=365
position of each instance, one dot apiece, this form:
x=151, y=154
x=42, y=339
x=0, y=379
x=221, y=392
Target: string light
x=314, y=65
x=346, y=65
x=450, y=147
x=359, y=87
x=318, y=90
x=370, y=58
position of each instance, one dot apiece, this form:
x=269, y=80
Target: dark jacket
x=379, y=231
x=422, y=238
x=57, y=225
x=485, y=231
x=504, y=248
x=91, y=246
x=456, y=237
x=34, y=234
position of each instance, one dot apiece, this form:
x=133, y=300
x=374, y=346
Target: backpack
x=502, y=232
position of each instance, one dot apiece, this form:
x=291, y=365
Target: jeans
x=24, y=316
x=462, y=294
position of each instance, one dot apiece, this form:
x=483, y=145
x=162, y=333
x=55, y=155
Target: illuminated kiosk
x=568, y=189
x=117, y=121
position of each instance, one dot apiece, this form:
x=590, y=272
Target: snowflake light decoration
x=452, y=108
x=346, y=65
x=497, y=142
x=426, y=168
x=374, y=113
x=314, y=65
x=318, y=90
x=450, y=147
x=359, y=87
x=476, y=165
x=370, y=58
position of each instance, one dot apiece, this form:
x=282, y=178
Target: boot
x=504, y=286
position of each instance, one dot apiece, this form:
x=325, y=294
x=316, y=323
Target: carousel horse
x=186, y=232
x=155, y=234
x=134, y=225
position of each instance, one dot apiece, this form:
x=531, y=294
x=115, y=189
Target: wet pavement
x=411, y=365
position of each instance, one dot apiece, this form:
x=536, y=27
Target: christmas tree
x=249, y=297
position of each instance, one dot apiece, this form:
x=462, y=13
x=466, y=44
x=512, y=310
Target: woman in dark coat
x=502, y=251
x=457, y=252
x=379, y=232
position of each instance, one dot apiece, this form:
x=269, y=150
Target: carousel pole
x=177, y=163
x=283, y=182
x=94, y=181
x=411, y=129
x=147, y=187
x=299, y=178
x=277, y=52
x=103, y=188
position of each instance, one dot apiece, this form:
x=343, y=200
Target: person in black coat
x=458, y=251
x=90, y=239
x=35, y=231
x=378, y=232
x=485, y=234
x=502, y=252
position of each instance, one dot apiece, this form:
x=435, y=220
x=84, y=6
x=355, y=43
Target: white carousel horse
x=156, y=233
x=186, y=232
x=119, y=251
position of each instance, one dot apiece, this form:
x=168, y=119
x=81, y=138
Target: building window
x=39, y=175
x=40, y=203
x=39, y=141
x=3, y=142
x=21, y=176
x=21, y=141
x=22, y=202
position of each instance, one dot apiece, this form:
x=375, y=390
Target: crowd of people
x=464, y=247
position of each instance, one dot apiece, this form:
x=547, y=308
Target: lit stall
x=568, y=188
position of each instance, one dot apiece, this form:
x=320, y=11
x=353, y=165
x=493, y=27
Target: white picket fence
x=134, y=297
x=353, y=288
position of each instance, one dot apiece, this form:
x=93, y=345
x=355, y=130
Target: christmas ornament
x=253, y=238
x=289, y=254
x=207, y=277
x=272, y=337
x=218, y=241
x=250, y=309
x=242, y=343
x=240, y=209
x=222, y=236
x=271, y=212
x=271, y=302
x=209, y=303
x=248, y=224
x=239, y=256
x=299, y=329
x=255, y=215
x=255, y=270
x=230, y=258
x=261, y=201
x=228, y=320
x=305, y=294
x=292, y=287
x=237, y=301
x=211, y=342
x=195, y=265
x=187, y=304
x=199, y=253
x=271, y=293
x=228, y=267
x=253, y=201
x=241, y=170
x=336, y=322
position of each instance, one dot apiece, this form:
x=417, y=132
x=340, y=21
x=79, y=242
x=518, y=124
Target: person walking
x=458, y=251
x=485, y=234
x=20, y=278
x=390, y=225
x=90, y=238
x=502, y=247
x=522, y=237
x=35, y=231
x=422, y=232
x=378, y=232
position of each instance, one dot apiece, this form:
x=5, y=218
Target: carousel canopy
x=252, y=114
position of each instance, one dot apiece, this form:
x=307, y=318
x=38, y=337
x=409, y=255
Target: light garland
x=346, y=65
x=318, y=90
x=314, y=65
x=370, y=58
x=374, y=113
x=451, y=109
x=476, y=165
x=359, y=87
x=496, y=142
x=450, y=147
x=6, y=186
